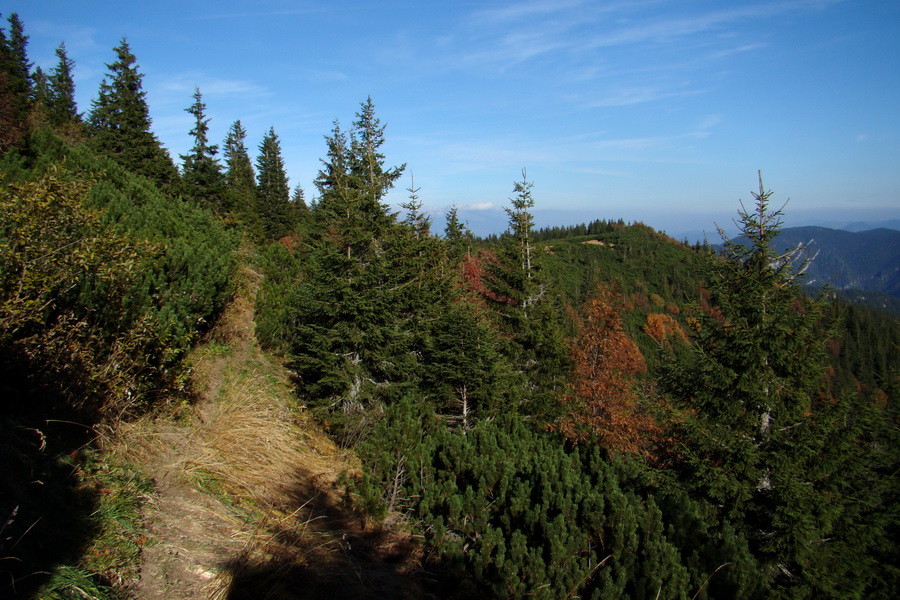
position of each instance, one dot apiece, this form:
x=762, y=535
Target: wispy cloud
x=705, y=126
x=521, y=10
x=257, y=14
x=521, y=31
x=320, y=75
x=507, y=48
x=727, y=52
x=76, y=38
x=212, y=86
x=640, y=95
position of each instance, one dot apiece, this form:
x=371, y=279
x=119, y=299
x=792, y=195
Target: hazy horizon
x=657, y=111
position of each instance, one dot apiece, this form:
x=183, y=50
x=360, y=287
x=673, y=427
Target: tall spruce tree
x=62, y=107
x=351, y=346
x=528, y=309
x=201, y=174
x=345, y=206
x=418, y=221
x=757, y=440
x=240, y=180
x=18, y=56
x=120, y=122
x=367, y=159
x=273, y=192
x=41, y=87
x=521, y=224
x=15, y=83
x=457, y=236
x=353, y=182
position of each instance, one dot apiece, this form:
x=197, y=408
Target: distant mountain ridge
x=711, y=235
x=866, y=260
x=866, y=226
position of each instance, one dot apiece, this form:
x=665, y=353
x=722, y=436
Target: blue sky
x=658, y=111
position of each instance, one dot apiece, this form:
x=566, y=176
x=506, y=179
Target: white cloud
x=704, y=128
x=521, y=10
x=576, y=29
x=322, y=75
x=211, y=86
x=479, y=206
x=642, y=94
x=243, y=16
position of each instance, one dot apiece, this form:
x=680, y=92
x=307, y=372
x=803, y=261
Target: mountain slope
x=844, y=260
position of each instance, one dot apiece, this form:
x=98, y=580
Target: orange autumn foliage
x=602, y=401
x=663, y=329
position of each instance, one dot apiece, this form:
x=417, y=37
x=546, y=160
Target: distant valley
x=863, y=266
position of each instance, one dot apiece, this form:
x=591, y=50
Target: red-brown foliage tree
x=602, y=402
x=663, y=329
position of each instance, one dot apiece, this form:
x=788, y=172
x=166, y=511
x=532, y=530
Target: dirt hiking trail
x=247, y=502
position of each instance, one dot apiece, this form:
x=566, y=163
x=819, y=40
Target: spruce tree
x=345, y=206
x=15, y=84
x=457, y=237
x=528, y=309
x=354, y=341
x=466, y=374
x=366, y=159
x=41, y=86
x=353, y=182
x=63, y=110
x=461, y=370
x=240, y=180
x=298, y=197
x=201, y=173
x=19, y=65
x=756, y=438
x=299, y=208
x=273, y=192
x=120, y=122
x=416, y=220
x=521, y=224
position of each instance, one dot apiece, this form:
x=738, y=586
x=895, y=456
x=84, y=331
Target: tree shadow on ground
x=45, y=516
x=327, y=551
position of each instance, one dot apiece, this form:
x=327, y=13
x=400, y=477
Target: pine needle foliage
x=120, y=122
x=15, y=83
x=240, y=180
x=527, y=309
x=201, y=174
x=756, y=437
x=511, y=513
x=272, y=190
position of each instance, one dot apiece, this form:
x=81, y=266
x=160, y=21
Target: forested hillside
x=863, y=266
x=589, y=411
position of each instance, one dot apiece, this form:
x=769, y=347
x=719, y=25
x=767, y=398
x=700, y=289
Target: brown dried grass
x=254, y=446
x=262, y=463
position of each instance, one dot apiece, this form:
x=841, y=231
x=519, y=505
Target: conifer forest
x=591, y=411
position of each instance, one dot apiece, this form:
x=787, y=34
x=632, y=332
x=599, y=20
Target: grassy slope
x=232, y=491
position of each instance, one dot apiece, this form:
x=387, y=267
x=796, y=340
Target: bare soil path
x=247, y=502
